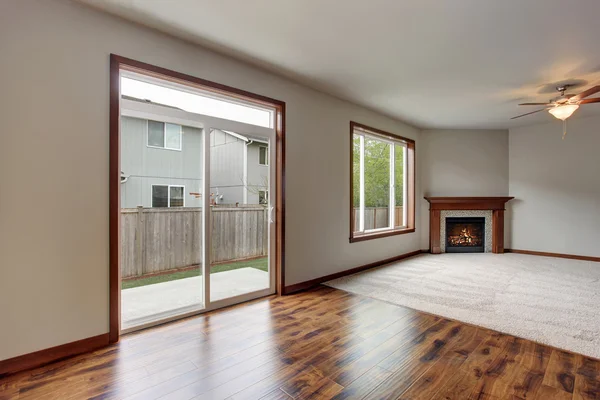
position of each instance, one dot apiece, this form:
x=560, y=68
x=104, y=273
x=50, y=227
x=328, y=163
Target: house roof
x=242, y=137
x=149, y=102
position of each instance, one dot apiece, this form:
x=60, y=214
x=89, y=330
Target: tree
x=377, y=173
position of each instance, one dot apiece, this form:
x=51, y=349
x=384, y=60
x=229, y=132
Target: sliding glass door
x=241, y=215
x=197, y=215
x=161, y=215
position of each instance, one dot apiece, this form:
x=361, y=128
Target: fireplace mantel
x=496, y=204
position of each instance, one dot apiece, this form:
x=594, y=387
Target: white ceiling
x=432, y=63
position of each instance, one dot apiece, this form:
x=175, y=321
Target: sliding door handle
x=271, y=215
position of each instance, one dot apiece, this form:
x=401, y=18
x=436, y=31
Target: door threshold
x=161, y=318
x=139, y=324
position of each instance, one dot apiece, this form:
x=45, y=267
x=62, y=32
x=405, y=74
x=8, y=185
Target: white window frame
x=392, y=186
x=164, y=147
x=266, y=191
x=168, y=194
x=266, y=155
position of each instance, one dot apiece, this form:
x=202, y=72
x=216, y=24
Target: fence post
x=375, y=218
x=139, y=241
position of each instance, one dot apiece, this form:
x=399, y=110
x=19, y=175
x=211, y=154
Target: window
x=263, y=197
x=164, y=135
x=382, y=183
x=263, y=155
x=168, y=196
x=176, y=196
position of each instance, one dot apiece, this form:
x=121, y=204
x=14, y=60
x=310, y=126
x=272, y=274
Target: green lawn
x=258, y=263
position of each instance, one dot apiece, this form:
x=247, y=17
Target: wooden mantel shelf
x=467, y=203
x=496, y=204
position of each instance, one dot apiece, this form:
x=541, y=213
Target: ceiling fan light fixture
x=563, y=112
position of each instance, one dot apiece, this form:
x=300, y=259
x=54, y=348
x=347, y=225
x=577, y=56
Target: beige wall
x=461, y=163
x=54, y=167
x=557, y=187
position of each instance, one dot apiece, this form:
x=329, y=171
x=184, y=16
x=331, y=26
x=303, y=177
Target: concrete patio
x=139, y=305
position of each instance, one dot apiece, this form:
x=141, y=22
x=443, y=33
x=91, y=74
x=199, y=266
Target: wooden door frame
x=118, y=63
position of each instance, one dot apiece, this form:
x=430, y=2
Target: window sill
x=163, y=148
x=376, y=235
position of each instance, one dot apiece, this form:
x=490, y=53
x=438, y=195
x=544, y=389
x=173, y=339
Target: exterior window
x=156, y=134
x=175, y=196
x=382, y=184
x=164, y=135
x=263, y=197
x=263, y=155
x=168, y=196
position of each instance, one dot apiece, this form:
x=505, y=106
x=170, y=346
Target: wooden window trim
x=411, y=176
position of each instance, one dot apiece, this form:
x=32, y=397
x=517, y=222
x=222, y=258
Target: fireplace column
x=498, y=231
x=434, y=232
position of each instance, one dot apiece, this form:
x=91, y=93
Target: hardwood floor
x=319, y=344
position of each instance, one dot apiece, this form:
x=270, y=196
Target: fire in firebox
x=465, y=238
x=465, y=234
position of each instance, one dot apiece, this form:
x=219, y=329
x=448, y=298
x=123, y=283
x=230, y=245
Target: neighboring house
x=161, y=166
x=239, y=170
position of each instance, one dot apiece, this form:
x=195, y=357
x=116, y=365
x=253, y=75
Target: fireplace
x=465, y=235
x=440, y=207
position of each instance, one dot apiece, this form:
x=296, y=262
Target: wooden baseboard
x=46, y=356
x=544, y=254
x=314, y=282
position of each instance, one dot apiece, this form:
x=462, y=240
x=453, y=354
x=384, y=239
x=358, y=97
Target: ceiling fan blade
x=533, y=112
x=588, y=101
x=585, y=94
x=535, y=104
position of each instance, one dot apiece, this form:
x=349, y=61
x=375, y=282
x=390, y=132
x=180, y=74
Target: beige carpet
x=549, y=300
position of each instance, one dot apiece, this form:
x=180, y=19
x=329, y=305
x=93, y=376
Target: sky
x=195, y=103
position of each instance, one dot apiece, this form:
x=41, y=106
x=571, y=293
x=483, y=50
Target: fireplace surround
x=492, y=208
x=486, y=214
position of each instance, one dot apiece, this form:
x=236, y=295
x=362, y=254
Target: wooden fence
x=378, y=217
x=160, y=239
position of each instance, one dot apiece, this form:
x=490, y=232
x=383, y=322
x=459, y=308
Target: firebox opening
x=465, y=234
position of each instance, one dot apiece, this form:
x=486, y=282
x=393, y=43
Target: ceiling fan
x=563, y=107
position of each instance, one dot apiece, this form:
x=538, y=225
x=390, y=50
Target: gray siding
x=146, y=166
x=227, y=167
